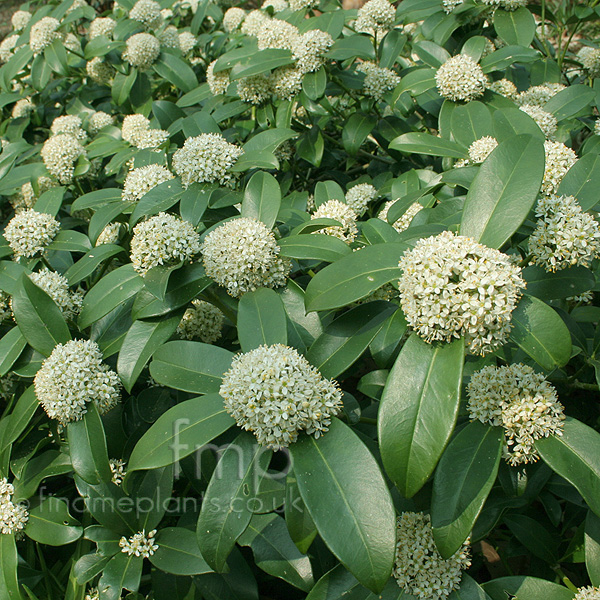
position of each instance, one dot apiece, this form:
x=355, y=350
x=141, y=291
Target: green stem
x=580, y=385
x=565, y=579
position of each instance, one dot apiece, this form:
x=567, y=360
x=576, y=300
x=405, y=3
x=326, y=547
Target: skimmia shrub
x=298, y=301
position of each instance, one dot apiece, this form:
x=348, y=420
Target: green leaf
x=176, y=71
x=255, y=160
x=178, y=553
x=349, y=502
x=123, y=571
x=355, y=132
x=97, y=199
x=541, y=333
x=592, y=547
x=47, y=464
x=20, y=416
x=275, y=552
x=303, y=328
x=71, y=241
x=88, y=566
x=261, y=62
x=11, y=346
x=56, y=57
x=159, y=198
x=418, y=410
x=530, y=588
x=353, y=46
x=268, y=140
x=504, y=191
x=121, y=86
x=317, y=246
x=504, y=57
x=354, y=276
x=583, y=181
x=9, y=583
x=515, y=27
x=534, y=536
x=141, y=342
x=300, y=525
x=385, y=343
x=314, y=84
x=87, y=264
x=574, y=456
x=562, y=284
x=50, y=523
x=41, y=322
x=50, y=201
x=570, y=101
x=347, y=337
x=190, y=366
x=424, y=143
x=262, y=199
x=470, y=122
x=183, y=429
x=463, y=479
x=469, y=590
x=261, y=319
x=228, y=501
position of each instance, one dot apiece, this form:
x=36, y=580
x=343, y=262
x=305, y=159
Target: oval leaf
x=261, y=319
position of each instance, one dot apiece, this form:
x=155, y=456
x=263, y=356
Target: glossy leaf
x=531, y=588
x=262, y=199
x=316, y=246
x=261, y=319
x=515, y=27
x=592, y=547
x=50, y=523
x=178, y=552
x=424, y=143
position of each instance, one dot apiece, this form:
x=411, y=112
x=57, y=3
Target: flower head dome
x=161, y=240
x=587, y=593
x=109, y=235
x=276, y=33
x=404, y=221
x=139, y=544
x=22, y=108
x=233, y=18
x=98, y=121
x=559, y=159
x=20, y=19
x=136, y=130
x=505, y=88
x=375, y=16
x=99, y=71
x=13, y=517
x=5, y=311
x=217, y=82
x=72, y=376
x=546, y=121
x=450, y=5
x=286, y=82
x=538, y=95
x=206, y=158
x=141, y=180
x=480, y=149
x=277, y=5
x=520, y=400
x=187, y=42
x=461, y=78
x=590, y=59
x=102, y=26
x=29, y=232
x=506, y=4
x=70, y=124
x=169, y=37
x=202, y=321
x=359, y=196
x=253, y=22
x=60, y=153
x=378, y=80
x=242, y=255
x=7, y=47
x=254, y=89
x=57, y=287
x=420, y=569
x=452, y=286
x=275, y=393
x=43, y=33
x=334, y=209
x=309, y=49
x=147, y=12
x=301, y=4
x=142, y=50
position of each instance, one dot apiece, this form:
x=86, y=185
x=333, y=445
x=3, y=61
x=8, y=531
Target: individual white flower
x=255, y=89
x=559, y=159
x=450, y=5
x=98, y=120
x=335, y=209
x=161, y=240
x=29, y=232
x=378, y=80
x=522, y=402
x=277, y=5
x=217, y=82
x=300, y=4
x=453, y=287
x=202, y=321
x=20, y=19
x=402, y=223
x=43, y=33
x=147, y=12
x=276, y=33
x=7, y=46
x=60, y=153
x=101, y=26
x=589, y=57
x=584, y=298
x=419, y=568
x=99, y=71
x=142, y=50
x=564, y=235
x=57, y=287
x=139, y=544
x=376, y=16
x=359, y=196
x=13, y=517
x=169, y=37
x=545, y=121
x=22, y=108
x=141, y=180
x=480, y=149
x=460, y=78
x=275, y=393
x=309, y=49
x=92, y=594
x=538, y=95
x=242, y=255
x=187, y=42
x=117, y=469
x=233, y=18
x=286, y=82
x=587, y=593
x=71, y=377
x=70, y=124
x=109, y=235
x=206, y=158
x=505, y=88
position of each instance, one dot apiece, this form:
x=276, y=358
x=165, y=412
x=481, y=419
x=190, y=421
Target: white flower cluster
x=43, y=33
x=589, y=57
x=139, y=544
x=254, y=20
x=480, y=149
x=376, y=16
x=20, y=19
x=277, y=5
x=136, y=130
x=142, y=50
x=98, y=120
x=202, y=321
x=101, y=26
x=187, y=42
x=141, y=180
x=505, y=88
x=450, y=5
x=419, y=568
x=378, y=80
x=559, y=159
x=275, y=393
x=206, y=158
x=217, y=82
x=461, y=78
x=147, y=12
x=26, y=197
x=310, y=48
x=59, y=153
x=57, y=287
x=169, y=37
x=72, y=376
x=7, y=46
x=13, y=517
x=521, y=401
x=404, y=221
x=92, y=594
x=286, y=82
x=564, y=235
x=300, y=4
x=117, y=469
x=233, y=18
x=69, y=124
x=545, y=121
x=506, y=4
x=276, y=33
x=99, y=71
x=587, y=593
x=359, y=196
x=254, y=89
x=452, y=286
x=335, y=209
x=163, y=239
x=242, y=255
x=29, y=232
x=538, y=95
x=72, y=43
x=109, y=235
x=22, y=108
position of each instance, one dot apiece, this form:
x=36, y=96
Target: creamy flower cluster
x=202, y=321
x=20, y=19
x=378, y=80
x=22, y=108
x=461, y=78
x=545, y=121
x=43, y=33
x=101, y=26
x=13, y=517
x=376, y=16
x=98, y=120
x=522, y=402
x=142, y=50
x=277, y=5
x=506, y=4
x=72, y=376
x=565, y=235
x=300, y=4
x=309, y=49
x=419, y=568
x=7, y=47
x=587, y=593
x=254, y=20
x=590, y=60
x=276, y=33
x=505, y=88
x=359, y=196
x=450, y=5
x=254, y=89
x=117, y=469
x=161, y=240
x=169, y=37
x=99, y=71
x=538, y=95
x=335, y=209
x=139, y=544
x=233, y=18
x=136, y=130
x=452, y=287
x=559, y=159
x=57, y=287
x=141, y=180
x=404, y=221
x=147, y=12
x=242, y=255
x=187, y=42
x=69, y=124
x=60, y=153
x=5, y=311
x=275, y=393
x=217, y=82
x=206, y=158
x=109, y=235
x=29, y=232
x=26, y=197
